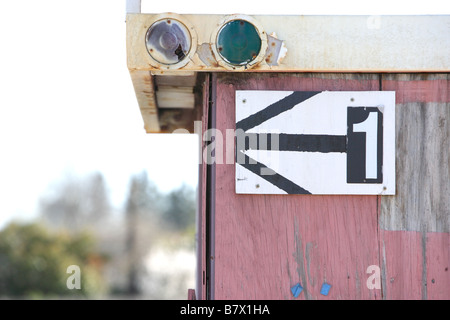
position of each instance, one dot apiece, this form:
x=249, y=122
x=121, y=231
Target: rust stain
x=276, y=51
x=206, y=55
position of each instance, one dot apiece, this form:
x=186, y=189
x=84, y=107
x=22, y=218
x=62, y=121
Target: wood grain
x=402, y=261
x=422, y=202
x=415, y=265
x=415, y=223
x=201, y=238
x=265, y=244
x=145, y=94
x=317, y=43
x=437, y=264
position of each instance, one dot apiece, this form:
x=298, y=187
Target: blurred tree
x=141, y=206
x=180, y=208
x=150, y=219
x=34, y=262
x=97, y=205
x=75, y=204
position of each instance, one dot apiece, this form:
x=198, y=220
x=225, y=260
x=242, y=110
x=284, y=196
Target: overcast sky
x=67, y=103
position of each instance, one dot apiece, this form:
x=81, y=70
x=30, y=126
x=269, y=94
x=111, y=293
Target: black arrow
x=275, y=109
x=294, y=142
x=275, y=178
x=286, y=142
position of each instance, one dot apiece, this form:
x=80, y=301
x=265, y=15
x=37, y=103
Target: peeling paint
x=205, y=54
x=357, y=282
x=309, y=246
x=276, y=50
x=298, y=257
x=424, y=266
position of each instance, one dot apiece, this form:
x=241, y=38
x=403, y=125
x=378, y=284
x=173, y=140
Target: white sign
x=330, y=142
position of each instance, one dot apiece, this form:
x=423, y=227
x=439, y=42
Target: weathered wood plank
x=415, y=223
x=202, y=195
x=437, y=264
x=415, y=265
x=320, y=43
x=418, y=87
x=402, y=268
x=186, y=80
x=191, y=294
x=145, y=94
x=422, y=202
x=265, y=244
x=179, y=98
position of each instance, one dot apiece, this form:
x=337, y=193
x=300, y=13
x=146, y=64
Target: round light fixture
x=169, y=42
x=239, y=43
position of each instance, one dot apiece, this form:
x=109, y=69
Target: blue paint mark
x=296, y=290
x=325, y=289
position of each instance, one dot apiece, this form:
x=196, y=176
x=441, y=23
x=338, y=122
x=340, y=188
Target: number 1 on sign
x=370, y=127
x=364, y=145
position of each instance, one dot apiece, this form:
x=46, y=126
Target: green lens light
x=238, y=42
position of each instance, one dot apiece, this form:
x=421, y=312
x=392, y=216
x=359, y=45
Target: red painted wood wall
x=259, y=246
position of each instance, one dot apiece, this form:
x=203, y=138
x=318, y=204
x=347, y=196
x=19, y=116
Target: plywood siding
x=402, y=257
x=265, y=244
x=415, y=239
x=422, y=202
x=437, y=259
